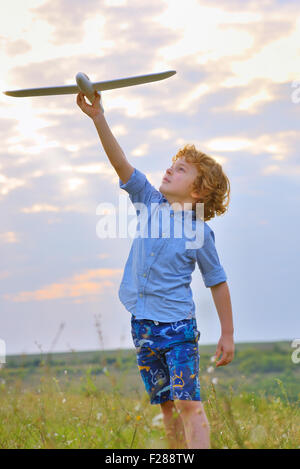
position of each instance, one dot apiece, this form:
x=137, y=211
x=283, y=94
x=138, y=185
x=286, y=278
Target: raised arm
x=112, y=149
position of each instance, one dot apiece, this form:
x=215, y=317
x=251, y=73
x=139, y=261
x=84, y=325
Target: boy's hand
x=226, y=347
x=91, y=110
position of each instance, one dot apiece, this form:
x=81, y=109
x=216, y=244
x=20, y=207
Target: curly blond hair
x=211, y=182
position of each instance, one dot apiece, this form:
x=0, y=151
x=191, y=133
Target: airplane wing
x=99, y=86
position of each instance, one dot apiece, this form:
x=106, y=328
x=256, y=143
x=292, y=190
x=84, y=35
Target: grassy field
x=97, y=400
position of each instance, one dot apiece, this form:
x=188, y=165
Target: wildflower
x=214, y=380
x=127, y=418
x=156, y=421
x=138, y=417
x=99, y=415
x=64, y=400
x=210, y=369
x=66, y=372
x=213, y=359
x=258, y=433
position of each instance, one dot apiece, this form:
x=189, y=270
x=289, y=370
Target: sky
x=235, y=96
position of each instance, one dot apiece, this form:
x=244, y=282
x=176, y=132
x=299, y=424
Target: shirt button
x=144, y=275
x=172, y=214
x=141, y=294
x=152, y=254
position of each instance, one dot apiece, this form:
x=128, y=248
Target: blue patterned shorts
x=168, y=358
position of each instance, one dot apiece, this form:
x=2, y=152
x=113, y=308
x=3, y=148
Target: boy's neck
x=179, y=205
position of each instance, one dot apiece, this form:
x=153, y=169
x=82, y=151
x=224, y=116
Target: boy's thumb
x=218, y=353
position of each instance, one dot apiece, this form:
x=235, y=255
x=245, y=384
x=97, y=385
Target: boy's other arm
x=112, y=149
x=221, y=297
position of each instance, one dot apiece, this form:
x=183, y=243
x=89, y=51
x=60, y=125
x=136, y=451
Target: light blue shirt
x=158, y=272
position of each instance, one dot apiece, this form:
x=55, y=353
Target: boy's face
x=177, y=183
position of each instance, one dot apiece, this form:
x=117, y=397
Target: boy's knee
x=188, y=407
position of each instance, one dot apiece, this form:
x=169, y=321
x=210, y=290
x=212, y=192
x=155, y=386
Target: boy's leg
x=183, y=365
x=196, y=425
x=174, y=426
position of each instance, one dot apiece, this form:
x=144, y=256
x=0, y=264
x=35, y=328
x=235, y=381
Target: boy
x=155, y=287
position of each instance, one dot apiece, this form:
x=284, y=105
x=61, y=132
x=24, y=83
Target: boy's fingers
x=218, y=353
x=221, y=362
x=226, y=358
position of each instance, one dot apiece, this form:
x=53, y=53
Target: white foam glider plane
x=88, y=88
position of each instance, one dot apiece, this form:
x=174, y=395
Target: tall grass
x=62, y=413
x=47, y=403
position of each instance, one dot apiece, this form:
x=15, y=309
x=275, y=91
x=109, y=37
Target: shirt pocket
x=179, y=257
x=193, y=334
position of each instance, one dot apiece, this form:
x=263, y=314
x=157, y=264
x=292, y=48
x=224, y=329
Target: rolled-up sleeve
x=138, y=187
x=208, y=261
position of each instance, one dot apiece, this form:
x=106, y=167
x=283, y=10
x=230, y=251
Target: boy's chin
x=162, y=187
x=162, y=190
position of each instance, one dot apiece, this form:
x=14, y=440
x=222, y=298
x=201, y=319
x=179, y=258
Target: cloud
x=63, y=15
x=4, y=274
x=101, y=23
x=276, y=144
x=9, y=184
x=9, y=237
x=7, y=128
x=91, y=283
x=17, y=47
x=37, y=208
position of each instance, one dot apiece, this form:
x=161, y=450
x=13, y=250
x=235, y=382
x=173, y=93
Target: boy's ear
x=196, y=194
